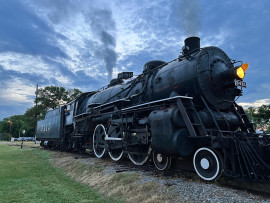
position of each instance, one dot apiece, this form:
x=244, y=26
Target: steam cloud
x=103, y=26
x=100, y=22
x=188, y=13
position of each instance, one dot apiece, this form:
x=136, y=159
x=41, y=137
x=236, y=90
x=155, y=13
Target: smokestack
x=193, y=43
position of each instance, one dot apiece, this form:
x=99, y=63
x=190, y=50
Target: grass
x=125, y=178
x=26, y=175
x=80, y=167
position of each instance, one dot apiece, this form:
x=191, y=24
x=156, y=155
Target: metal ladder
x=247, y=125
x=191, y=118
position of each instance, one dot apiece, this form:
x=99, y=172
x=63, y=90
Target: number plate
x=240, y=83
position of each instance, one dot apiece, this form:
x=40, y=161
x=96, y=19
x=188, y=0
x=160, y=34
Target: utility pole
x=10, y=124
x=36, y=94
x=36, y=113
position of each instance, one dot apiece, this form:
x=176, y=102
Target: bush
x=4, y=137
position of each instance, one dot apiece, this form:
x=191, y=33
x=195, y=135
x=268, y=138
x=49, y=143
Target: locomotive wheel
x=99, y=141
x=161, y=161
x=115, y=148
x=140, y=154
x=207, y=164
x=116, y=154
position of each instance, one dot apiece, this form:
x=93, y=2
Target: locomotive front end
x=206, y=72
x=220, y=81
x=208, y=125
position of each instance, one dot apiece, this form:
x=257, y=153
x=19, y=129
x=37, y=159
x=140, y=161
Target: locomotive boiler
x=184, y=109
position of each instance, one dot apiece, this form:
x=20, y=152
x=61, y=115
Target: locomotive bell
x=192, y=43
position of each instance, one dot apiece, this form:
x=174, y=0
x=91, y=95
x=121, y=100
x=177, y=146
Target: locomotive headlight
x=240, y=72
x=244, y=67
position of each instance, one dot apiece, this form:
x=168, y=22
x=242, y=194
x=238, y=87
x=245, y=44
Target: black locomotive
x=174, y=111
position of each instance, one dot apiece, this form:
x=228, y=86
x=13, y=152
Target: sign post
x=23, y=132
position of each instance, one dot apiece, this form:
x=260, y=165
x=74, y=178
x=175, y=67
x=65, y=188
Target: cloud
x=82, y=44
x=99, y=42
x=16, y=91
x=144, y=31
x=24, y=32
x=256, y=103
x=23, y=63
x=10, y=77
x=217, y=39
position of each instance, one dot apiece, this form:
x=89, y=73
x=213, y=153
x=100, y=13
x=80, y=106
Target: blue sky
x=81, y=44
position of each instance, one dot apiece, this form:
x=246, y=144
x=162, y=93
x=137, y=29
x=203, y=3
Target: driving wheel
x=99, y=146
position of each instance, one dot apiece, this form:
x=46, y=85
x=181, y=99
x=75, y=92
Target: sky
x=83, y=44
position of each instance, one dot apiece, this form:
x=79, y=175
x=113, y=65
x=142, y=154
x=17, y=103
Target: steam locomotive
x=182, y=110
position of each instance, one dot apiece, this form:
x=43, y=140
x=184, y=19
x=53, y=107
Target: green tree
x=32, y=115
x=14, y=125
x=260, y=117
x=53, y=96
x=251, y=111
x=47, y=97
x=73, y=94
x=264, y=112
x=35, y=113
x=4, y=136
x=263, y=117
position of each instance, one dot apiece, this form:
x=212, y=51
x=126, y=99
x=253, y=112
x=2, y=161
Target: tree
x=73, y=94
x=34, y=114
x=251, y=111
x=14, y=126
x=260, y=117
x=264, y=112
x=48, y=97
x=4, y=136
x=263, y=117
x=53, y=96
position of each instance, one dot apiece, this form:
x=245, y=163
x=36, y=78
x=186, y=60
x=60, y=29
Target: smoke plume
x=100, y=24
x=189, y=16
x=103, y=25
